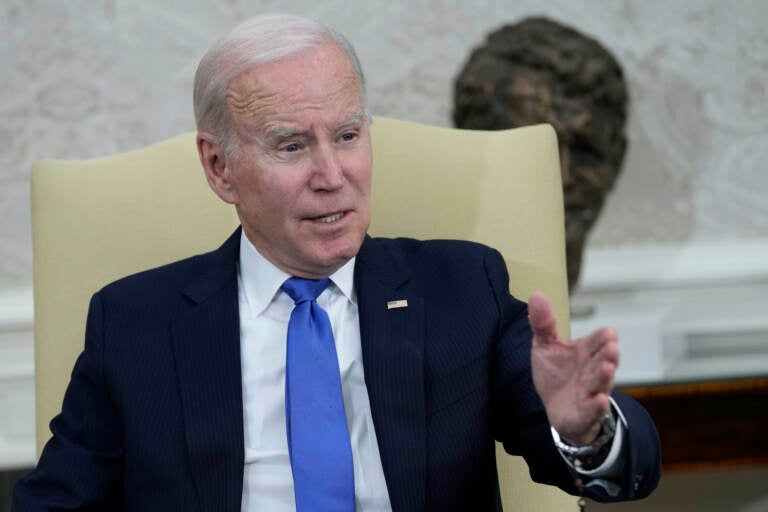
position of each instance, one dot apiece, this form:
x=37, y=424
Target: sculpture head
x=539, y=71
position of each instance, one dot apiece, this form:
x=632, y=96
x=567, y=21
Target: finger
x=601, y=378
x=608, y=351
x=594, y=342
x=543, y=320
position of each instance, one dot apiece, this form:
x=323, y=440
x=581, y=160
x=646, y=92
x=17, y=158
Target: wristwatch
x=592, y=455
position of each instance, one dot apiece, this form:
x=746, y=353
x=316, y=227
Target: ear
x=217, y=167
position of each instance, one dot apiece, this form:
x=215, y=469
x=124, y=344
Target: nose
x=328, y=170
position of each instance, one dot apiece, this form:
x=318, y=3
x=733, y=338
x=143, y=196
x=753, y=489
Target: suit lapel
x=206, y=343
x=393, y=358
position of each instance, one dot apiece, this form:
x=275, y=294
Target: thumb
x=543, y=320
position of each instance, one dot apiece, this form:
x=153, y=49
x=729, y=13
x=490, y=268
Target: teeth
x=331, y=218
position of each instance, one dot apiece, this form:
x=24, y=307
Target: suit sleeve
x=519, y=418
x=81, y=466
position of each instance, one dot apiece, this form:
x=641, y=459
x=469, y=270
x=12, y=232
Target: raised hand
x=573, y=378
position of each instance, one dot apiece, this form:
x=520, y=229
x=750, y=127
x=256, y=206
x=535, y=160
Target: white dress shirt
x=264, y=313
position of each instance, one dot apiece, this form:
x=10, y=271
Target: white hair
x=254, y=42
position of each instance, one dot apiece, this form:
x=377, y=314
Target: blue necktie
x=318, y=438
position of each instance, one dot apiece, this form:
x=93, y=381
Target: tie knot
x=302, y=290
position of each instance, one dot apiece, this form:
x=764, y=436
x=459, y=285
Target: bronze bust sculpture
x=539, y=71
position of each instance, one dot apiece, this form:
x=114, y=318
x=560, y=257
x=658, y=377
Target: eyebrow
x=358, y=118
x=278, y=133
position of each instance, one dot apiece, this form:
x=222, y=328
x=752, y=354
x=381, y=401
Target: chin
x=338, y=252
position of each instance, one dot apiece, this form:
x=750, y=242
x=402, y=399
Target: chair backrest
x=97, y=220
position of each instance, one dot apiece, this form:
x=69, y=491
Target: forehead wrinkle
x=253, y=94
x=266, y=111
x=253, y=107
x=252, y=102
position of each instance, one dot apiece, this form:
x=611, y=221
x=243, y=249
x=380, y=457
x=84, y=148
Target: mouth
x=329, y=219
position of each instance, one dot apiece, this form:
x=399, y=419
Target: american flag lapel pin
x=397, y=304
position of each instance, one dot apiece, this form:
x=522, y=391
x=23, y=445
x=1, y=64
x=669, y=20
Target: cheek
x=279, y=198
x=362, y=175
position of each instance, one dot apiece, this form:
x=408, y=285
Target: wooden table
x=707, y=425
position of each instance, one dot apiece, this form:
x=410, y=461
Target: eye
x=349, y=136
x=291, y=148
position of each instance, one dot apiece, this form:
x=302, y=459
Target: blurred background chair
x=97, y=220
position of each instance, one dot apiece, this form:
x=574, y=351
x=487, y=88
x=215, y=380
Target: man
x=185, y=396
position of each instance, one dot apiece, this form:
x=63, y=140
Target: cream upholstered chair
x=97, y=220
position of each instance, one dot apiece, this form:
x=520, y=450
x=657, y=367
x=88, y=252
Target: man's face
x=300, y=178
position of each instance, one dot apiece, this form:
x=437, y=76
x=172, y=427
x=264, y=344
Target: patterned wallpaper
x=84, y=78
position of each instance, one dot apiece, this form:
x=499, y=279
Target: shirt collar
x=262, y=280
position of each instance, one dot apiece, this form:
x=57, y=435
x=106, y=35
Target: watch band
x=591, y=455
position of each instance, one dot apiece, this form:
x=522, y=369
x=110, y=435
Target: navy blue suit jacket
x=152, y=419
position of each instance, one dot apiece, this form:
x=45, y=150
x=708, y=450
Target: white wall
x=17, y=393
x=89, y=77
